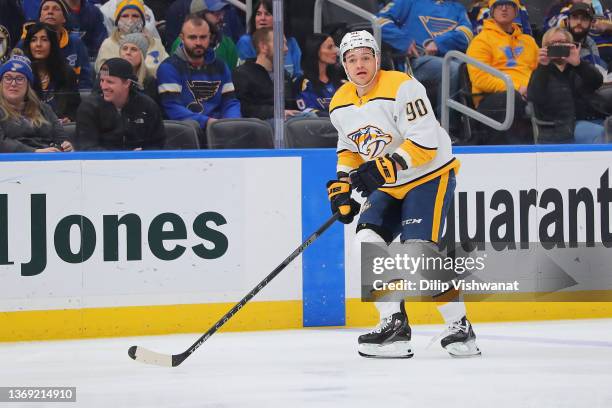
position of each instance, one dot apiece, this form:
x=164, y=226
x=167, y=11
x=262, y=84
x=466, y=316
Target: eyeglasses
x=19, y=80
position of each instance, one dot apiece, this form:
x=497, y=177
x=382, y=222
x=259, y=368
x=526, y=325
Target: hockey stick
x=144, y=355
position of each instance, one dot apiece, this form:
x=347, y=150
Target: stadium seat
x=536, y=123
x=310, y=132
x=242, y=133
x=84, y=93
x=181, y=135
x=465, y=97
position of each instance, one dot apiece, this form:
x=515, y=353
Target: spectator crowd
x=116, y=72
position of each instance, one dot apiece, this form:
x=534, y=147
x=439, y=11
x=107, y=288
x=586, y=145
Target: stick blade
x=143, y=355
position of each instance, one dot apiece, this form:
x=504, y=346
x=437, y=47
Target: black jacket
x=563, y=97
x=63, y=99
x=100, y=126
x=255, y=91
x=20, y=136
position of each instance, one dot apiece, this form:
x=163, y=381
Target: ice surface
x=537, y=364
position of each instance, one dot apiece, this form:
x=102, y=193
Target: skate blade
x=468, y=349
x=398, y=349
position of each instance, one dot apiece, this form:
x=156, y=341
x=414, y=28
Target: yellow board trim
x=146, y=320
x=270, y=315
x=364, y=314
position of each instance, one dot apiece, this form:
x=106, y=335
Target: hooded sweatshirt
x=196, y=93
x=514, y=54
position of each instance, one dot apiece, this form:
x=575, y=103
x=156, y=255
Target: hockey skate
x=390, y=339
x=459, y=339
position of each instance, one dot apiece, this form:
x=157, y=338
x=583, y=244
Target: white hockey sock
x=452, y=311
x=386, y=309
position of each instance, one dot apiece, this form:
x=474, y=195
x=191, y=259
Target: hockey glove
x=373, y=174
x=339, y=193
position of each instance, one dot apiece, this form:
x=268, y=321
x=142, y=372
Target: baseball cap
x=198, y=6
x=582, y=8
x=118, y=67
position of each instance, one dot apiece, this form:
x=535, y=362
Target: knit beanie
x=20, y=64
x=138, y=39
x=62, y=5
x=129, y=4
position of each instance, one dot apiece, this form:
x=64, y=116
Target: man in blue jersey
x=425, y=31
x=192, y=83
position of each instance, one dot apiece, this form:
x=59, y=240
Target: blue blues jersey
x=292, y=59
x=444, y=22
x=309, y=99
x=196, y=93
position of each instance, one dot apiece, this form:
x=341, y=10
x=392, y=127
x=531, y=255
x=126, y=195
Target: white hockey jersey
x=395, y=117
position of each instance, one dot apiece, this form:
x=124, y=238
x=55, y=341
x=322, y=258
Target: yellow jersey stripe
x=418, y=155
x=386, y=89
x=467, y=31
x=400, y=191
x=348, y=159
x=437, y=214
x=382, y=21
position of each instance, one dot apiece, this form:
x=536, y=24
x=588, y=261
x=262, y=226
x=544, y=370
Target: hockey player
x=392, y=150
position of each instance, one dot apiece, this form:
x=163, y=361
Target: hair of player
x=260, y=36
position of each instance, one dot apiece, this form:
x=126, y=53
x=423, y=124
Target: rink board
x=206, y=226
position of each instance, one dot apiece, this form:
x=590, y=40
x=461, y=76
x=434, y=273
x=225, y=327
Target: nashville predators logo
x=370, y=140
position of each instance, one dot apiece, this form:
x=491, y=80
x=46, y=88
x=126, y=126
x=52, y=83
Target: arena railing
x=448, y=103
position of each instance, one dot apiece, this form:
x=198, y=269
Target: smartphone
x=558, y=51
x=57, y=146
